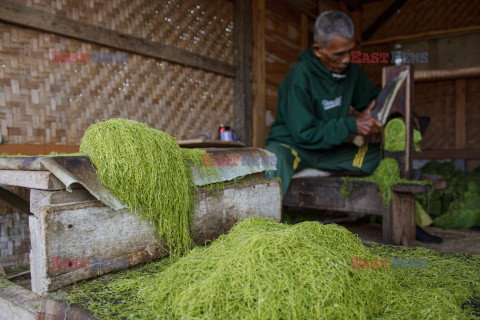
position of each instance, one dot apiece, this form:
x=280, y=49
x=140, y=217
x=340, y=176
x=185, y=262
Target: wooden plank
x=31, y=179
x=431, y=75
x=41, y=198
x=324, y=194
x=36, y=149
x=425, y=35
x=18, y=303
x=242, y=95
x=387, y=14
x=281, y=26
x=460, y=114
x=18, y=14
x=284, y=10
x=209, y=143
x=307, y=7
x=14, y=200
x=89, y=230
x=468, y=154
x=259, y=26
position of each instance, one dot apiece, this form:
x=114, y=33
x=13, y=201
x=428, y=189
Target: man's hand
x=366, y=123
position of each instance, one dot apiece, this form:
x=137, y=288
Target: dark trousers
x=347, y=156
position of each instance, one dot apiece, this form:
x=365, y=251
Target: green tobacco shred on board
x=147, y=170
x=385, y=176
x=266, y=270
x=395, y=136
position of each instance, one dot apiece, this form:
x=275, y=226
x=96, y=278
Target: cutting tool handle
x=358, y=140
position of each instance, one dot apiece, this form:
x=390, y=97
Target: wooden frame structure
x=69, y=231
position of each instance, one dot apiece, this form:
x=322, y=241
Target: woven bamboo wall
x=201, y=26
x=14, y=240
x=437, y=100
x=42, y=102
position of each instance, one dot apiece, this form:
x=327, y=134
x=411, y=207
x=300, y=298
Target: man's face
x=336, y=56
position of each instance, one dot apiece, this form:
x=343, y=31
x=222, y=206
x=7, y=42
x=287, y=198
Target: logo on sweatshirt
x=330, y=104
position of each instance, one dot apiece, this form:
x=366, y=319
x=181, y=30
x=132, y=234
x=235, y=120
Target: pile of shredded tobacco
x=147, y=170
x=266, y=270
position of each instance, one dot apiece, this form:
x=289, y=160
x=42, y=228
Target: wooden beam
x=468, y=154
x=36, y=149
x=460, y=114
x=15, y=201
x=242, y=95
x=387, y=14
x=259, y=27
x=426, y=35
x=353, y=5
x=431, y=75
x=305, y=6
x=18, y=14
x=31, y=179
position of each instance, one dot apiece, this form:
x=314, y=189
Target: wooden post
x=460, y=115
x=259, y=26
x=242, y=96
x=409, y=117
x=357, y=22
x=399, y=225
x=304, y=28
x=403, y=104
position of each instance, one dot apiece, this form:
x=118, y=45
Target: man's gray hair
x=330, y=24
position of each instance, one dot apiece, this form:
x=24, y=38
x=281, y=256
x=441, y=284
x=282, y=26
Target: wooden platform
x=323, y=193
x=74, y=236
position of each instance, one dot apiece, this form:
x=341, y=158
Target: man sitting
x=312, y=127
x=312, y=123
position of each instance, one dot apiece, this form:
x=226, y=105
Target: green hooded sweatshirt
x=313, y=104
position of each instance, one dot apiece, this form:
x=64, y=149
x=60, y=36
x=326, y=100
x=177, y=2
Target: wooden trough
x=74, y=236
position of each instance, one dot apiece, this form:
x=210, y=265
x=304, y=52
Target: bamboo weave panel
x=42, y=102
x=14, y=240
x=14, y=233
x=201, y=26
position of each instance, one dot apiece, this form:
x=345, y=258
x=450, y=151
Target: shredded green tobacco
x=265, y=270
x=395, y=136
x=148, y=171
x=385, y=176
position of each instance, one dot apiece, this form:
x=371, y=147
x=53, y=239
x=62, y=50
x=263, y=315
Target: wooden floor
x=454, y=240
